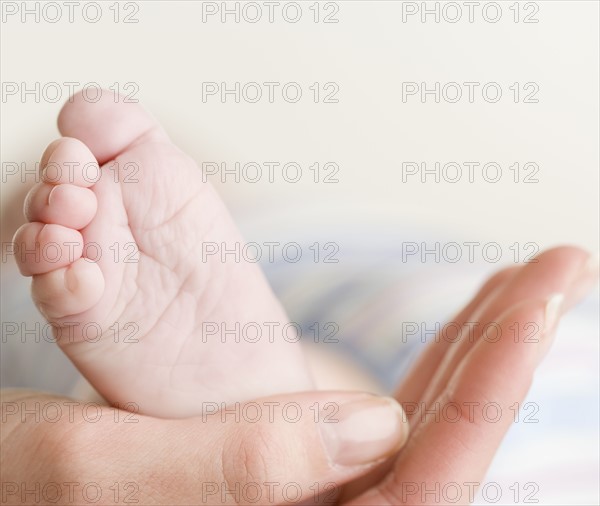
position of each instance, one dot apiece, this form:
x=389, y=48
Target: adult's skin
x=211, y=461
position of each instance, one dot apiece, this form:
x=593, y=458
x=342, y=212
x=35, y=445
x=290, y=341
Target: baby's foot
x=141, y=320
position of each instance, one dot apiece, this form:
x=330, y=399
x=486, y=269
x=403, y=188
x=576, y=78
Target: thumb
x=280, y=449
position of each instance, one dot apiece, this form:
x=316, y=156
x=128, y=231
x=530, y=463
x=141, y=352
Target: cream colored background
x=370, y=132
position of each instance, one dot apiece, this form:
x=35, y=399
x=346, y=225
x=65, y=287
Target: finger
x=430, y=373
x=274, y=450
x=339, y=437
x=559, y=270
x=462, y=430
x=416, y=381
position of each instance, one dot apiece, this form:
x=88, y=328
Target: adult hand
x=282, y=449
x=314, y=446
x=505, y=331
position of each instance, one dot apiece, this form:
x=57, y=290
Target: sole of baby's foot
x=114, y=244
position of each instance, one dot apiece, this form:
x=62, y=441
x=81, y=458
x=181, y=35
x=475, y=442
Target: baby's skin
x=120, y=273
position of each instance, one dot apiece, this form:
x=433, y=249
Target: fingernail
x=52, y=194
x=51, y=173
x=364, y=431
x=552, y=313
x=71, y=279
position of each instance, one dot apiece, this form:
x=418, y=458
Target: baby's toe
x=48, y=152
x=40, y=248
x=69, y=290
x=69, y=161
x=64, y=204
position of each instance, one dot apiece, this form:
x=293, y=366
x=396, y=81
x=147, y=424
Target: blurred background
x=403, y=125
